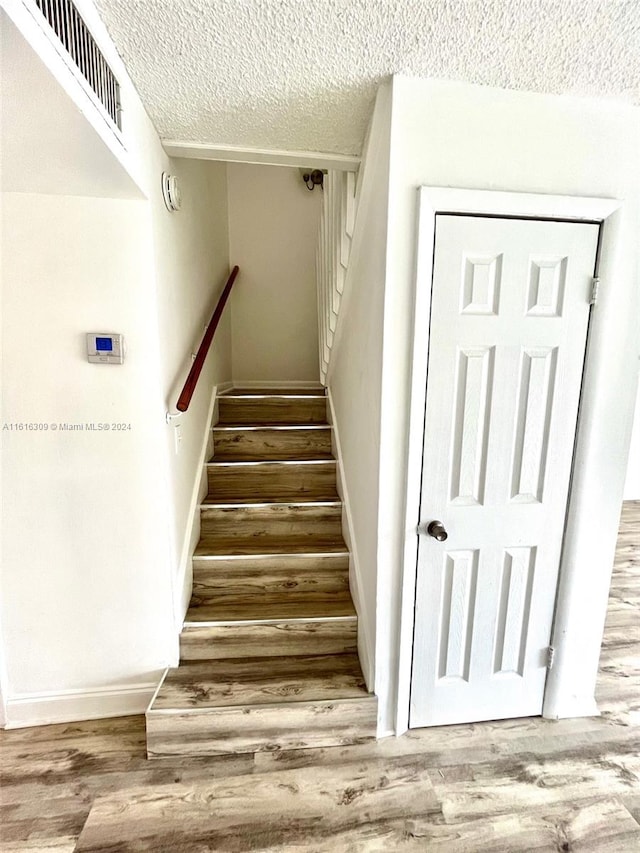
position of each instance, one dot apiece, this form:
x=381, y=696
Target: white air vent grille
x=63, y=18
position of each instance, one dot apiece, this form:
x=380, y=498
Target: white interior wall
x=85, y=580
x=96, y=533
x=448, y=134
x=273, y=223
x=355, y=370
x=192, y=265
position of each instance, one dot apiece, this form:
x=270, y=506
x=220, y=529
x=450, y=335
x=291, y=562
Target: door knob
x=437, y=530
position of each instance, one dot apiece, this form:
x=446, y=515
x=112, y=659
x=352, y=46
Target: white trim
x=447, y=200
x=365, y=646
x=68, y=706
x=575, y=706
x=435, y=200
x=192, y=534
x=4, y=682
x=571, y=683
x=268, y=156
x=157, y=690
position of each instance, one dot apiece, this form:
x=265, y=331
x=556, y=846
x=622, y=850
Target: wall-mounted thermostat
x=105, y=348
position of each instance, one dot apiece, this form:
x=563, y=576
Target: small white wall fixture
x=581, y=597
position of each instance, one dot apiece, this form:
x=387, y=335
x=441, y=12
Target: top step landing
x=277, y=391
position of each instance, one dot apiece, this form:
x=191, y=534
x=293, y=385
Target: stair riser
x=259, y=444
x=272, y=410
x=272, y=480
x=210, y=584
x=272, y=640
x=303, y=725
x=272, y=522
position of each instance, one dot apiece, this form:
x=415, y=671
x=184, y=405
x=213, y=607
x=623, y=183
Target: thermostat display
x=104, y=344
x=105, y=348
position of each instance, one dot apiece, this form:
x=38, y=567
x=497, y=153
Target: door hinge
x=595, y=286
x=551, y=656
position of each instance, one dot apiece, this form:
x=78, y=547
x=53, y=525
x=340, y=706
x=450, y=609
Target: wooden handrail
x=196, y=368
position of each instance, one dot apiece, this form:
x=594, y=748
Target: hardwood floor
x=513, y=785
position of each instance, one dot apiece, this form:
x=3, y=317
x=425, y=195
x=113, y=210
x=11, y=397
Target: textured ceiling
x=301, y=74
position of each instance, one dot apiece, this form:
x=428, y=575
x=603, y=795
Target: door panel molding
x=480, y=292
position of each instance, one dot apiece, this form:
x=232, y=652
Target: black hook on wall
x=313, y=179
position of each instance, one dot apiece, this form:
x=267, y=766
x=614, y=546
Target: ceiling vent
x=65, y=21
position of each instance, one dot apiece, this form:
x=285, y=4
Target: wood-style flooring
x=514, y=785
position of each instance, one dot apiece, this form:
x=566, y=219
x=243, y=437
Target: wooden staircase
x=268, y=652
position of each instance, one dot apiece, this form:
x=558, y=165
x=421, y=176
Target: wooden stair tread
x=201, y=685
x=327, y=496
x=239, y=456
x=210, y=546
x=270, y=607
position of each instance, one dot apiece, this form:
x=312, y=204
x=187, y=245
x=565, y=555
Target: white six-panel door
x=509, y=317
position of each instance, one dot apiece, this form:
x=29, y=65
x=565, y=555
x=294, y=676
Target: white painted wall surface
x=192, y=266
x=93, y=597
x=85, y=575
x=448, y=134
x=273, y=223
x=354, y=376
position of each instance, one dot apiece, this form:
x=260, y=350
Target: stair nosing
x=229, y=427
x=210, y=623
x=275, y=396
x=344, y=553
x=265, y=503
x=231, y=463
x=216, y=708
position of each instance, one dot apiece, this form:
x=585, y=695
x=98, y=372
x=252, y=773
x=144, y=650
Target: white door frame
x=561, y=699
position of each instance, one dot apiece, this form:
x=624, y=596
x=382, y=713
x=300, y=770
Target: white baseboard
x=69, y=706
x=251, y=384
x=192, y=534
x=575, y=706
x=365, y=647
x=386, y=733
